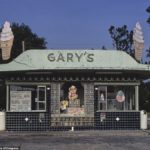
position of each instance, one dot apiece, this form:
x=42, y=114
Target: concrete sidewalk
x=79, y=133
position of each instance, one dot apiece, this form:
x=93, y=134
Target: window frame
x=136, y=93
x=37, y=84
x=37, y=99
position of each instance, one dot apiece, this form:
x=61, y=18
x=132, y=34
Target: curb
x=78, y=133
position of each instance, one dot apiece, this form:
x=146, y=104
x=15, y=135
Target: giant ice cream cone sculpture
x=138, y=41
x=6, y=41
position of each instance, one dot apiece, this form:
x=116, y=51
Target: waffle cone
x=6, y=47
x=138, y=50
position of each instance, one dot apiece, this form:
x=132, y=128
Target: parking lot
x=78, y=140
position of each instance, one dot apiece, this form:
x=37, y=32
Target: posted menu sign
x=20, y=101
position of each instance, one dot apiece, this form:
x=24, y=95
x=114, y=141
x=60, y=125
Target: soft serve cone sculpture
x=6, y=40
x=138, y=41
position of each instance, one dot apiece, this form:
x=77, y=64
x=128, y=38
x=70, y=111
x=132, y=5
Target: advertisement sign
x=120, y=96
x=20, y=100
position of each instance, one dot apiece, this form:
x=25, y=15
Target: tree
x=148, y=21
x=148, y=10
x=148, y=52
x=24, y=33
x=122, y=39
x=148, y=55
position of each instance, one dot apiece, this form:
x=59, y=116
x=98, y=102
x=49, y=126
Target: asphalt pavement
x=77, y=140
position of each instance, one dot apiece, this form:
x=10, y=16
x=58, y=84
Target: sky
x=76, y=24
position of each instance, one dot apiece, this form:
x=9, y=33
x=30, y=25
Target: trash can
x=143, y=121
x=2, y=121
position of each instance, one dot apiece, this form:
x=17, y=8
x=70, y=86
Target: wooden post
x=23, y=46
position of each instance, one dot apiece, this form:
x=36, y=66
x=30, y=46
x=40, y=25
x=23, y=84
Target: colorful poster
x=75, y=111
x=120, y=96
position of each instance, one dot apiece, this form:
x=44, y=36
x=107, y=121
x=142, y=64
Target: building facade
x=85, y=89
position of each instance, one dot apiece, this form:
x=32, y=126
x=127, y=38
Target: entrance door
x=41, y=98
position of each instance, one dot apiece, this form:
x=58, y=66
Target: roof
x=73, y=60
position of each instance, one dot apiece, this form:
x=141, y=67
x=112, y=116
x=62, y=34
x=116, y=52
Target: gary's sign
x=71, y=57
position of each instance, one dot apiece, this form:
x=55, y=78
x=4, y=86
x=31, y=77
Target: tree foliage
x=24, y=33
x=148, y=10
x=148, y=52
x=148, y=21
x=122, y=39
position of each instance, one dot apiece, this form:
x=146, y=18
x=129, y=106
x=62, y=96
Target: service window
x=25, y=98
x=115, y=97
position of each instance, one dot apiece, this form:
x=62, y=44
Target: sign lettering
x=70, y=57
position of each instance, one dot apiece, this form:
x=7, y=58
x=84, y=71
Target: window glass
x=27, y=98
x=41, y=93
x=72, y=99
x=115, y=97
x=41, y=106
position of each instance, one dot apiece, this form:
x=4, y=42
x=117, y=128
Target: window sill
x=117, y=111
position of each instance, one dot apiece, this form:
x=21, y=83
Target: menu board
x=20, y=101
